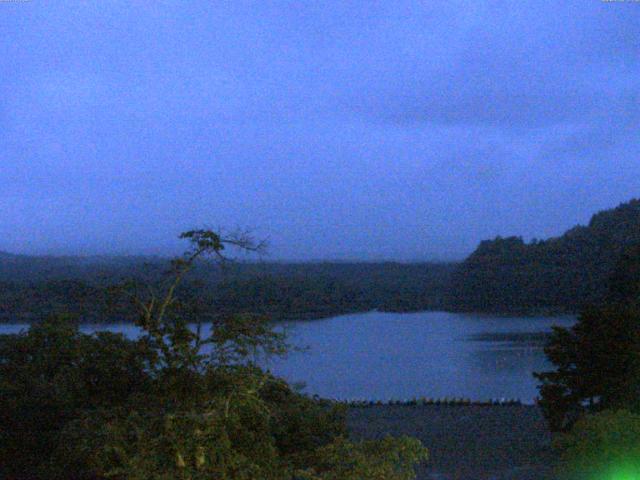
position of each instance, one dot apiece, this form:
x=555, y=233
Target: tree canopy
x=597, y=361
x=563, y=274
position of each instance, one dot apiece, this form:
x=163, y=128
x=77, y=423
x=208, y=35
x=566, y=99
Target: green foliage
x=227, y=437
x=92, y=407
x=52, y=373
x=561, y=274
x=601, y=446
x=387, y=459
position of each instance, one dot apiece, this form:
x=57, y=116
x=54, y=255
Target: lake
x=384, y=356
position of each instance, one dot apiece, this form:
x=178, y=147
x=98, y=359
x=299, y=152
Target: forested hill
x=32, y=287
x=28, y=268
x=507, y=275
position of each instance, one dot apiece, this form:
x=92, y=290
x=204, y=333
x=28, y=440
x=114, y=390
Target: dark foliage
x=597, y=361
x=63, y=393
x=282, y=291
x=624, y=284
x=597, y=366
x=49, y=376
x=563, y=274
x=175, y=403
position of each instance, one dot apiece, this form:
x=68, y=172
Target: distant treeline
x=280, y=290
x=504, y=275
x=562, y=274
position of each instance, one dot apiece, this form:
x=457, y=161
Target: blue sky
x=338, y=130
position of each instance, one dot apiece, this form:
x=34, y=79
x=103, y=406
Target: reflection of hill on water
x=518, y=339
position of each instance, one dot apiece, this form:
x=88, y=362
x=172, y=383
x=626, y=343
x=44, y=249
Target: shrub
x=601, y=446
x=50, y=375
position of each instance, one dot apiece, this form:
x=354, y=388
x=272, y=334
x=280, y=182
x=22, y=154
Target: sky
x=371, y=130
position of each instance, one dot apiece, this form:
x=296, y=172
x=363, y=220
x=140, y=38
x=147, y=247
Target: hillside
x=507, y=275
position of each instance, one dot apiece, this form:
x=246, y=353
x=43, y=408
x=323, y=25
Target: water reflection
x=432, y=354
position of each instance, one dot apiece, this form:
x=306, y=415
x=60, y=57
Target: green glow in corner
x=624, y=473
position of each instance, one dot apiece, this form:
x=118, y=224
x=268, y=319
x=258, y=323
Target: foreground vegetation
x=592, y=396
x=175, y=403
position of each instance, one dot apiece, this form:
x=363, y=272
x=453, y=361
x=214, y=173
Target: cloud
x=401, y=129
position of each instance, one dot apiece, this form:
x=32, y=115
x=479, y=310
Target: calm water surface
x=399, y=356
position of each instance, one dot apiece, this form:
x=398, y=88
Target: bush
x=50, y=375
x=390, y=458
x=601, y=446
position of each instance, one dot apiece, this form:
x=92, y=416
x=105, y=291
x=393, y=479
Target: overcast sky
x=338, y=130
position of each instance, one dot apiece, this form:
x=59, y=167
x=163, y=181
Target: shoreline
x=28, y=319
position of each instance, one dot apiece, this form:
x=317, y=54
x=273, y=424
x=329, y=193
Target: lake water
x=383, y=356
